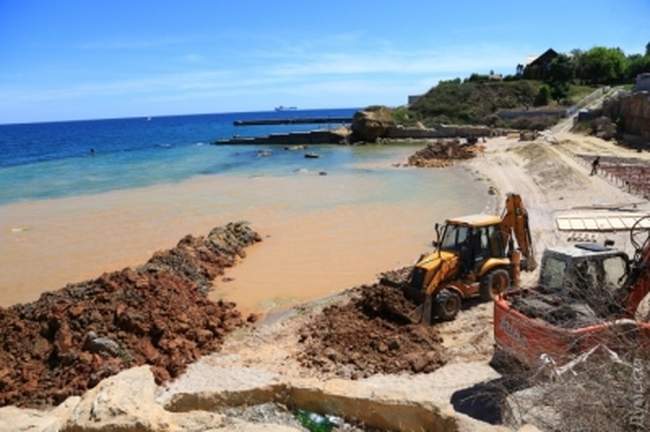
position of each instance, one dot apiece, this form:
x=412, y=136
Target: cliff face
x=633, y=113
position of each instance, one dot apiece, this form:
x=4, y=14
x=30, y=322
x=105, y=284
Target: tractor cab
x=474, y=239
x=577, y=271
x=568, y=268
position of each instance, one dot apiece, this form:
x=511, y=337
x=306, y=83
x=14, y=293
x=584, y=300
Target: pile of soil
x=556, y=310
x=370, y=334
x=571, y=308
x=158, y=314
x=443, y=153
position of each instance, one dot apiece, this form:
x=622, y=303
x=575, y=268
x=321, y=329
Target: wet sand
x=322, y=234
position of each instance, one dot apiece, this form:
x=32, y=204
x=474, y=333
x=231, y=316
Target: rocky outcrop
x=157, y=314
x=372, y=123
x=128, y=402
x=125, y=403
x=603, y=127
x=382, y=402
x=631, y=112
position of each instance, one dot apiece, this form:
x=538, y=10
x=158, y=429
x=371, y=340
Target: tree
x=647, y=50
x=637, y=64
x=601, y=65
x=520, y=70
x=559, y=90
x=543, y=97
x=561, y=69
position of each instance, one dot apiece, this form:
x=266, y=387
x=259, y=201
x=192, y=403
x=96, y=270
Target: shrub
x=559, y=90
x=473, y=102
x=543, y=96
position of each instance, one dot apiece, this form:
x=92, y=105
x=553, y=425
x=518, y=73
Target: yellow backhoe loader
x=475, y=256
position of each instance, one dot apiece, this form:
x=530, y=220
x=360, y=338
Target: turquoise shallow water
x=50, y=160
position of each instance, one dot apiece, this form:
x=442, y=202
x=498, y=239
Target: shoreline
x=342, y=216
x=262, y=361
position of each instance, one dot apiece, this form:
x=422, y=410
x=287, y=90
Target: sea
x=150, y=181
x=69, y=158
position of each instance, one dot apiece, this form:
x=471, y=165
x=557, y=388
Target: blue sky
x=96, y=59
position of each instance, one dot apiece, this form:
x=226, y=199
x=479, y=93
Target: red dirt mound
x=368, y=335
x=442, y=153
x=158, y=314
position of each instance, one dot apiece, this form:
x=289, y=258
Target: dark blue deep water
x=48, y=160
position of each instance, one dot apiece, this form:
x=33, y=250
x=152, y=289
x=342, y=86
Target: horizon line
x=164, y=115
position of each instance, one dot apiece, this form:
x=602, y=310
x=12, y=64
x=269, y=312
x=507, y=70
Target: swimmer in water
x=92, y=152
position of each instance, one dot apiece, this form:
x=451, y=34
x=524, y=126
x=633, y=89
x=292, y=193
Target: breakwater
x=290, y=121
x=291, y=138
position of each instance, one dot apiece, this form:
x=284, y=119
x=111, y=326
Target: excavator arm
x=515, y=222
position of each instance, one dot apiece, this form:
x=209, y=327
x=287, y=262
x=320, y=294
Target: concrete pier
x=292, y=138
x=290, y=121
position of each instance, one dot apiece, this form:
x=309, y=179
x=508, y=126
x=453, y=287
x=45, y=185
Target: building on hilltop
x=539, y=67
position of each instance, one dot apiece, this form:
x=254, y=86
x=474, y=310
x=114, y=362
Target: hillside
x=473, y=102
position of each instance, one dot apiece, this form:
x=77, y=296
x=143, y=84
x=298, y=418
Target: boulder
x=32, y=420
x=96, y=344
x=126, y=402
x=603, y=127
x=526, y=135
x=372, y=123
x=529, y=407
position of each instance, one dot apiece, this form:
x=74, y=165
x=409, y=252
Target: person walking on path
x=594, y=166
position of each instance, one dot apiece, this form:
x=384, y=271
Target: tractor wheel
x=447, y=304
x=494, y=283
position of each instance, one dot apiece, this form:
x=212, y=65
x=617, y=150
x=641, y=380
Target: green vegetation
x=599, y=65
x=577, y=92
x=563, y=80
x=543, y=97
x=404, y=116
x=472, y=101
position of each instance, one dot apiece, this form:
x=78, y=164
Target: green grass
x=577, y=92
x=473, y=102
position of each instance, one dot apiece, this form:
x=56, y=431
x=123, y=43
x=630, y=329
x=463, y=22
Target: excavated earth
x=368, y=335
x=442, y=153
x=69, y=340
x=569, y=309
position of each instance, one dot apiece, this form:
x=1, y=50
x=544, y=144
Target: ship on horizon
x=284, y=108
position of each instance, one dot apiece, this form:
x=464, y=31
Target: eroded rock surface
x=127, y=402
x=371, y=123
x=632, y=111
